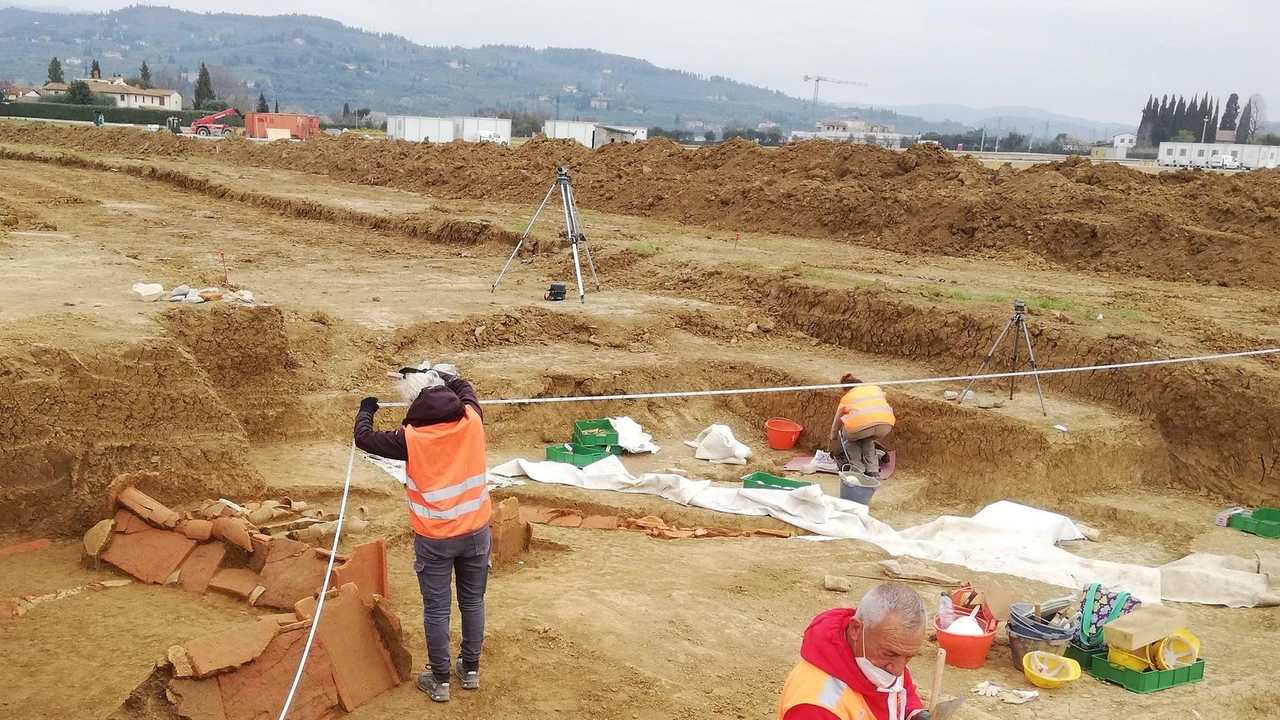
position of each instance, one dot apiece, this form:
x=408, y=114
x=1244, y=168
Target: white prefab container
x=420, y=129
x=1184, y=154
x=583, y=132
x=470, y=128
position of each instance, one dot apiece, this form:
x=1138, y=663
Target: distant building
x=1225, y=136
x=599, y=102
x=856, y=131
x=1184, y=154
x=1124, y=141
x=126, y=96
x=593, y=135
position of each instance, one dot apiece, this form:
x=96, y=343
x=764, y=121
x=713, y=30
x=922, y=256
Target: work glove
x=369, y=405
x=987, y=689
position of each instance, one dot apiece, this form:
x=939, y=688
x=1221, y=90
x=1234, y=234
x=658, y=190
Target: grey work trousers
x=860, y=449
x=466, y=559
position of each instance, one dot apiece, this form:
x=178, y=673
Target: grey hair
x=892, y=599
x=414, y=383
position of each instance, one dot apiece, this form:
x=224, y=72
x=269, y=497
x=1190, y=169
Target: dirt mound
x=1207, y=227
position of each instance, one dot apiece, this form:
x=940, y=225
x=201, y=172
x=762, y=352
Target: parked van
x=1224, y=161
x=491, y=136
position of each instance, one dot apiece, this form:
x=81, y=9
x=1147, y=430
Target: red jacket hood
x=825, y=646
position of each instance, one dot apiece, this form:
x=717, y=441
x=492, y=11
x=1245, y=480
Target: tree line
x=1173, y=118
x=215, y=88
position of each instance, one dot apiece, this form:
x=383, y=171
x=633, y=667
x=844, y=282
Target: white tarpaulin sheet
x=1004, y=537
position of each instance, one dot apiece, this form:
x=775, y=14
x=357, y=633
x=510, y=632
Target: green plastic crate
x=1145, y=682
x=576, y=455
x=608, y=437
x=1263, y=522
x=765, y=481
x=1084, y=656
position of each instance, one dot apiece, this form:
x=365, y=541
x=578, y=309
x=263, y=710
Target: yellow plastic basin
x=1047, y=670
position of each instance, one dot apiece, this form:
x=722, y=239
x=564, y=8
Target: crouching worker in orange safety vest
x=862, y=417
x=442, y=442
x=853, y=662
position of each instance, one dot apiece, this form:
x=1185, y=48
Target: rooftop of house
x=115, y=85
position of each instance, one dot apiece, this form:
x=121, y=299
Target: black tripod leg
x=522, y=238
x=1035, y=370
x=990, y=353
x=1013, y=362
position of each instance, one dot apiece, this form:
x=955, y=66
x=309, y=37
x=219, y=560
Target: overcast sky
x=1097, y=59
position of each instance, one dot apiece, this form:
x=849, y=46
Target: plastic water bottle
x=946, y=611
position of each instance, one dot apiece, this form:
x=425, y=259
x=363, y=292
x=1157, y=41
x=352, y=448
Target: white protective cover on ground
x=632, y=437
x=1004, y=537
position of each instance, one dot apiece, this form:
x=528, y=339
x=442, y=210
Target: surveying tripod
x=1017, y=320
x=572, y=231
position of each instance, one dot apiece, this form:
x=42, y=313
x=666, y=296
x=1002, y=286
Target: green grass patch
x=935, y=293
x=820, y=273
x=644, y=248
x=1050, y=303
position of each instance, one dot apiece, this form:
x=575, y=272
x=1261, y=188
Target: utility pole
x=982, y=146
x=1204, y=132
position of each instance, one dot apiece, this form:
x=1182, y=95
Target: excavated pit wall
x=73, y=418
x=1216, y=422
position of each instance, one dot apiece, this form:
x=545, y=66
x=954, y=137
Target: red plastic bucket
x=782, y=433
x=967, y=651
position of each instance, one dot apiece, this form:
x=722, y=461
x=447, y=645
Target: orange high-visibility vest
x=807, y=685
x=445, y=477
x=863, y=407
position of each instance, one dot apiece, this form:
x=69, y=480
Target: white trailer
x=1185, y=154
x=476, y=129
x=583, y=132
x=420, y=129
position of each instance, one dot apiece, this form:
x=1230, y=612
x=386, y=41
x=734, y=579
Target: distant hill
x=317, y=65
x=1022, y=119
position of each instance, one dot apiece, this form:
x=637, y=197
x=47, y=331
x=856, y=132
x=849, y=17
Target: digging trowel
x=944, y=710
x=941, y=710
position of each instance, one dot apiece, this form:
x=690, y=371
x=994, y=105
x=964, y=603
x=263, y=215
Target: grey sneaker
x=427, y=683
x=470, y=678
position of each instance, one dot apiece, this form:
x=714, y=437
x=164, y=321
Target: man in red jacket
x=853, y=662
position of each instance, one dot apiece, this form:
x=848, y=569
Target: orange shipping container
x=300, y=127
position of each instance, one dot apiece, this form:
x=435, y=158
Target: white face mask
x=885, y=682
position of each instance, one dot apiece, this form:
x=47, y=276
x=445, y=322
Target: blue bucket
x=857, y=487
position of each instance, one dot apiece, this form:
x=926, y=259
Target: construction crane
x=817, y=81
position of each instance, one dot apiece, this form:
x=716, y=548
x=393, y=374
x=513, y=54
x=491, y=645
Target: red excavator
x=209, y=125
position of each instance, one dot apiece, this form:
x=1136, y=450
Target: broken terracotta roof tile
x=601, y=522
x=95, y=541
x=392, y=635
x=234, y=531
x=200, y=566
x=537, y=516
x=197, y=699
x=362, y=667
x=127, y=522
x=148, y=508
x=26, y=547
x=151, y=555
x=768, y=532
x=367, y=570
x=511, y=534
x=649, y=521
x=238, y=582
x=292, y=572
x=199, y=530
x=258, y=689
x=227, y=650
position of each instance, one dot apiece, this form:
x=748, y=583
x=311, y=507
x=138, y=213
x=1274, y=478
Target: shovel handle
x=935, y=689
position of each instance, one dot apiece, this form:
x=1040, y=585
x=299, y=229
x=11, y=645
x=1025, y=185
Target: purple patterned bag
x=1097, y=608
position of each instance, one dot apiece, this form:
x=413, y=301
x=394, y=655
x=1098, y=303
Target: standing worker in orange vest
x=862, y=417
x=442, y=442
x=853, y=662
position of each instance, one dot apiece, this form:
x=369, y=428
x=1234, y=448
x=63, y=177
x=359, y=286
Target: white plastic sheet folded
x=1004, y=537
x=718, y=445
x=632, y=437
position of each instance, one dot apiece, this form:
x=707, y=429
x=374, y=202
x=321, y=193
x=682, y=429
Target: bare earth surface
x=250, y=403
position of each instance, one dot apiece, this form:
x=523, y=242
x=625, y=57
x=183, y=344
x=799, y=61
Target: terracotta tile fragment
x=151, y=555
x=367, y=570
x=199, y=530
x=292, y=572
x=257, y=691
x=26, y=547
x=362, y=667
x=197, y=699
x=234, y=531
x=148, y=508
x=227, y=650
x=238, y=582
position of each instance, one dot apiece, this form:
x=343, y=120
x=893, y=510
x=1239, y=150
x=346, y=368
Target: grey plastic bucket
x=857, y=487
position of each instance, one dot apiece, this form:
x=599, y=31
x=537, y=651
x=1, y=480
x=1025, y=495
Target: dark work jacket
x=435, y=405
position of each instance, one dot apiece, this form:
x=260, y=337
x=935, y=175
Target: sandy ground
x=594, y=624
